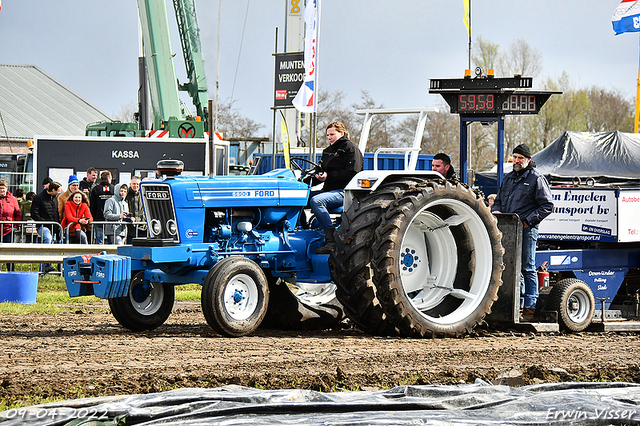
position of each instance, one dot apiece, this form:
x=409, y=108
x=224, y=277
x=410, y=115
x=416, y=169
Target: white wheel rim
x=241, y=297
x=315, y=294
x=428, y=261
x=146, y=304
x=578, y=306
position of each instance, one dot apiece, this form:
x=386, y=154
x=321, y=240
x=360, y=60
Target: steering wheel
x=305, y=172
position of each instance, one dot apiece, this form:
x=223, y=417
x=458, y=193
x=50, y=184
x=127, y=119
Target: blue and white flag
x=626, y=17
x=305, y=100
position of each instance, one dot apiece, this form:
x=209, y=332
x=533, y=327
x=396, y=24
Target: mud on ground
x=87, y=353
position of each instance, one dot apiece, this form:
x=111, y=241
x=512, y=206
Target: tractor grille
x=160, y=212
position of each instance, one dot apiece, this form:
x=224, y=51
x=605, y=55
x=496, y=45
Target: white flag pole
x=316, y=87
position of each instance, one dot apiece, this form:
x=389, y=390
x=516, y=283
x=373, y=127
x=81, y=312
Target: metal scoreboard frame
x=488, y=99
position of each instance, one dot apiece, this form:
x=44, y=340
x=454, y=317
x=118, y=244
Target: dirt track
x=88, y=353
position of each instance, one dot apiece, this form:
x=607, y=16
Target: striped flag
x=626, y=17
x=305, y=100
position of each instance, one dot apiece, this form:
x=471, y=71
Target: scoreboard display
x=490, y=96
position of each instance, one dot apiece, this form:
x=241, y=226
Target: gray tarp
x=609, y=158
x=478, y=403
x=614, y=155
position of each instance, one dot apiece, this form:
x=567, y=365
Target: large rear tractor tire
x=574, y=302
x=437, y=260
x=351, y=259
x=314, y=307
x=146, y=307
x=235, y=295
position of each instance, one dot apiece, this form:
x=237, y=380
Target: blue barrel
x=19, y=287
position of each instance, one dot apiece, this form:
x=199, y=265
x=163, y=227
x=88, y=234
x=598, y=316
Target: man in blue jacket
x=526, y=192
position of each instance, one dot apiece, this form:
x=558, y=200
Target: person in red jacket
x=77, y=213
x=9, y=211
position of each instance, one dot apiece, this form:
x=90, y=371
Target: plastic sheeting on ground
x=478, y=403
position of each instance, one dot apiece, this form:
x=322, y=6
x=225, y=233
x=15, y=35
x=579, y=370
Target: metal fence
x=27, y=242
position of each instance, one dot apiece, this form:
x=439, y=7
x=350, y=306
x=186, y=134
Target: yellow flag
x=467, y=15
x=285, y=141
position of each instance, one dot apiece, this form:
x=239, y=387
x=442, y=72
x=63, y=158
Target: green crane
x=168, y=111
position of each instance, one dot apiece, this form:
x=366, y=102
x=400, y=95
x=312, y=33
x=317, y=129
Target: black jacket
x=341, y=161
x=44, y=208
x=99, y=195
x=526, y=193
x=86, y=187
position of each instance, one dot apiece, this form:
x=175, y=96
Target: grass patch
x=52, y=298
x=188, y=292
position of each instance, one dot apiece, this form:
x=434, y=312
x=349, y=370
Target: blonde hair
x=339, y=127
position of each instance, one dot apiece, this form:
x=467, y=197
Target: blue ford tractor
x=415, y=254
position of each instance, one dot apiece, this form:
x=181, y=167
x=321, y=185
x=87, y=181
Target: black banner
x=289, y=77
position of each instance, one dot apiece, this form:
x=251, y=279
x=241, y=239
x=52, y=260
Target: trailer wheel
x=235, y=295
x=438, y=260
x=351, y=259
x=146, y=307
x=574, y=302
x=294, y=308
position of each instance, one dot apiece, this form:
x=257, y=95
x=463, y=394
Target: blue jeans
x=47, y=238
x=322, y=202
x=98, y=234
x=8, y=239
x=45, y=234
x=528, y=275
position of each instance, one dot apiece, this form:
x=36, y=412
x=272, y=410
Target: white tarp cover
x=478, y=403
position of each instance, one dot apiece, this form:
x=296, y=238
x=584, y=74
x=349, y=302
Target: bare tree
x=608, y=111
x=232, y=124
x=561, y=113
x=382, y=132
x=127, y=112
x=521, y=59
x=486, y=54
x=331, y=108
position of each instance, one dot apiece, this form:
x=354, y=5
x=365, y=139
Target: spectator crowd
x=88, y=211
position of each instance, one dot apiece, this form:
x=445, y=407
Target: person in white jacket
x=116, y=209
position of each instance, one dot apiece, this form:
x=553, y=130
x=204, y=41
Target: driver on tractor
x=340, y=162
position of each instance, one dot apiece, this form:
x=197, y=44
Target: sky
x=388, y=48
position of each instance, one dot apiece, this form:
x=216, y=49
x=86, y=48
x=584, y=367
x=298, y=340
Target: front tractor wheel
x=438, y=260
x=235, y=296
x=146, y=307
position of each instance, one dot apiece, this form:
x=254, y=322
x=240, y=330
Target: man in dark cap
x=526, y=192
x=46, y=182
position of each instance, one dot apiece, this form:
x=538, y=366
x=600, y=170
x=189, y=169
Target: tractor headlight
x=172, y=228
x=155, y=227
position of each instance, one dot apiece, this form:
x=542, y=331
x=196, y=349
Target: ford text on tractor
x=417, y=254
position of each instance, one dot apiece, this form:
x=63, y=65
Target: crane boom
x=192, y=53
x=166, y=105
x=156, y=41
